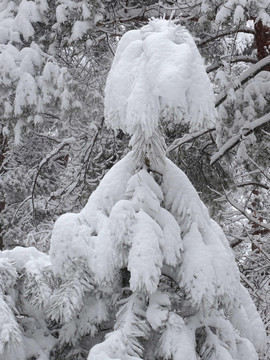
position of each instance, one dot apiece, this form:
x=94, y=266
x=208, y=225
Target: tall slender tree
x=144, y=251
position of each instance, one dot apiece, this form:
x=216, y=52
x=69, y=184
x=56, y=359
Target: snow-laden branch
x=245, y=130
x=44, y=161
x=225, y=33
x=252, y=183
x=259, y=248
x=141, y=12
x=245, y=77
x=55, y=151
x=188, y=137
x=234, y=59
x=157, y=70
x=80, y=174
x=255, y=220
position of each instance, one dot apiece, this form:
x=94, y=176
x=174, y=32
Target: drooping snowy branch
x=245, y=77
x=235, y=59
x=224, y=33
x=64, y=143
x=245, y=130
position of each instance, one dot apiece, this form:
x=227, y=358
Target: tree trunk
x=3, y=148
x=262, y=40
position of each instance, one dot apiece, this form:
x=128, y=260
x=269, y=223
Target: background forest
x=55, y=148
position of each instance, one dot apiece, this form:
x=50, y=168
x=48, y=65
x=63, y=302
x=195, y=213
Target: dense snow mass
x=158, y=69
x=157, y=72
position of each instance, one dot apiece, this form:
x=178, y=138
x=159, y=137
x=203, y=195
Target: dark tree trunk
x=3, y=148
x=262, y=40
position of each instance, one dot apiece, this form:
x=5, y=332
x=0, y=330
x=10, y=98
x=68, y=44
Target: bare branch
x=259, y=168
x=237, y=241
x=255, y=243
x=81, y=175
x=253, y=184
x=188, y=137
x=21, y=204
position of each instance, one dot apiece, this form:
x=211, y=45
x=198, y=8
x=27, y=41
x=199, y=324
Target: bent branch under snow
x=245, y=77
x=245, y=130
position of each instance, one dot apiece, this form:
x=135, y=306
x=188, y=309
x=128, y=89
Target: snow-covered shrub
x=25, y=288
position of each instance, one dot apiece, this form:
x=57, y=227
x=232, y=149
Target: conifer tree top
x=158, y=71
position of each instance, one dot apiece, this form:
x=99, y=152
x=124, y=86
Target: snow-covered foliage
x=154, y=231
x=34, y=81
x=31, y=79
x=25, y=289
x=157, y=70
x=241, y=10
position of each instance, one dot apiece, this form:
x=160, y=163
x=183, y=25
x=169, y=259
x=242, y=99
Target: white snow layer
x=158, y=69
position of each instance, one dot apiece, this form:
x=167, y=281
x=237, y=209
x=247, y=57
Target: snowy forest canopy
x=55, y=57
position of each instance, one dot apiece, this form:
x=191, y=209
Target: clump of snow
x=79, y=29
x=239, y=15
x=157, y=312
x=61, y=13
x=27, y=14
x=33, y=81
x=26, y=93
x=21, y=256
x=176, y=341
x=264, y=17
x=158, y=70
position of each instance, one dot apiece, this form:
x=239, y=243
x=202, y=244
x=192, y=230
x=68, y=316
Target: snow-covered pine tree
x=142, y=268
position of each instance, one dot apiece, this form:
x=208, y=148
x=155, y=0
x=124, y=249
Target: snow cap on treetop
x=158, y=71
